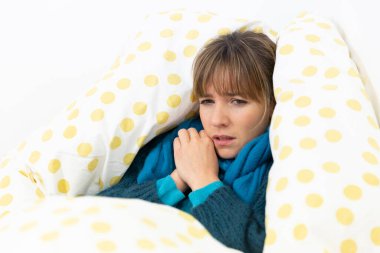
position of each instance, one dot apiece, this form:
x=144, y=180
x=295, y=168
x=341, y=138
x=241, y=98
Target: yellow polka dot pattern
x=325, y=180
x=92, y=142
x=105, y=225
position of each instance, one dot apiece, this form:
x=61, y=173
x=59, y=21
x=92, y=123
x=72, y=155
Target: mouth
x=222, y=140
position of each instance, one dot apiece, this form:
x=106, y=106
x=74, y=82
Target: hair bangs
x=227, y=81
x=229, y=76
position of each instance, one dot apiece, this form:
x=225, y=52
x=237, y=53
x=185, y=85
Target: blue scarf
x=243, y=174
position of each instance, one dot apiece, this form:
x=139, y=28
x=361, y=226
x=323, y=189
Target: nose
x=219, y=116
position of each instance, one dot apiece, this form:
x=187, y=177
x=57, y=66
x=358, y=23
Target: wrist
x=180, y=184
x=203, y=182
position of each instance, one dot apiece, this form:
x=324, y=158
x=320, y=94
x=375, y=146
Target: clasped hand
x=195, y=159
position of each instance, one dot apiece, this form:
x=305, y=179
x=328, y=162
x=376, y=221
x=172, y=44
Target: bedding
x=103, y=225
x=324, y=185
x=89, y=145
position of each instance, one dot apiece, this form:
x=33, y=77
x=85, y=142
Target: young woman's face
x=231, y=121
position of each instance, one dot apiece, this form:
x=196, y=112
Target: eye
x=206, y=101
x=237, y=101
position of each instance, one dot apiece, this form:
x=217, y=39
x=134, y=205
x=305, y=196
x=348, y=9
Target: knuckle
x=204, y=132
x=182, y=133
x=208, y=141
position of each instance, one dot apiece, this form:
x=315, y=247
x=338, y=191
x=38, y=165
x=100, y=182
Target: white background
x=51, y=51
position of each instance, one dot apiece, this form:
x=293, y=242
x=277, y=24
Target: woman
x=215, y=167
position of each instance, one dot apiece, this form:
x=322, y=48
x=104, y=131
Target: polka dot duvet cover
x=323, y=187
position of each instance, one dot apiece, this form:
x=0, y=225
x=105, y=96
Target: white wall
x=51, y=51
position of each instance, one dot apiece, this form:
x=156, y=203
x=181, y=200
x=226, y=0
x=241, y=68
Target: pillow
x=324, y=186
x=96, y=224
x=90, y=145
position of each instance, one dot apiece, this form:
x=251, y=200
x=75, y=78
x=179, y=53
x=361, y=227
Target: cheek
x=205, y=113
x=203, y=117
x=253, y=121
x=253, y=124
x=201, y=114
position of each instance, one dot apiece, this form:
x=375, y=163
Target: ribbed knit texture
x=225, y=216
x=146, y=191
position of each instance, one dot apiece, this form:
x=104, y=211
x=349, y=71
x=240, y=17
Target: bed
x=325, y=138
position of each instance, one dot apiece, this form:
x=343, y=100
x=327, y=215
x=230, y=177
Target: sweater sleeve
x=145, y=191
x=233, y=222
x=168, y=192
x=199, y=196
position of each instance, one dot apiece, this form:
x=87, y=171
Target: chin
x=226, y=154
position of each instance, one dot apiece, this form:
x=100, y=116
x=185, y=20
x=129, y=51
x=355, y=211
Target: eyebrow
x=227, y=95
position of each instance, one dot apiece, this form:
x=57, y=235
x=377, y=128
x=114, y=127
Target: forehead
x=211, y=92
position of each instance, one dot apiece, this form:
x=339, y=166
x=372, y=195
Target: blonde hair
x=240, y=63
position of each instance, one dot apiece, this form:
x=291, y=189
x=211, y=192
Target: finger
x=183, y=135
x=203, y=134
x=205, y=138
x=193, y=133
x=176, y=144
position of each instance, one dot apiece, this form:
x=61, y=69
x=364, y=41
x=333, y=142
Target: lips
x=222, y=140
